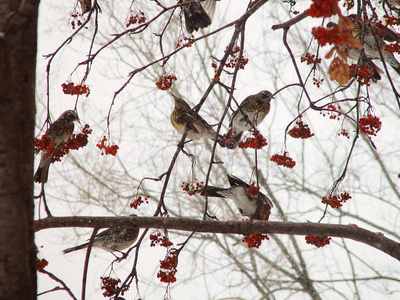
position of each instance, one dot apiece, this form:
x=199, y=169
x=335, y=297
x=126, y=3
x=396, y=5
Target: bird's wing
x=234, y=181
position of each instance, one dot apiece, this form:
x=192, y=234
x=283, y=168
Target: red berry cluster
x=333, y=112
x=214, y=66
x=165, y=82
x=185, y=40
x=69, y=88
x=323, y=8
x=192, y=187
x=336, y=201
x=300, y=131
x=254, y=240
x=75, y=20
x=110, y=286
x=44, y=143
x=318, y=241
x=160, y=239
x=258, y=141
x=107, y=149
x=344, y=133
x=310, y=59
x=75, y=142
x=363, y=73
x=318, y=82
x=390, y=21
x=394, y=47
x=283, y=160
x=234, y=59
x=349, y=4
x=168, y=267
x=252, y=190
x=41, y=264
x=136, y=18
x=370, y=125
x=138, y=201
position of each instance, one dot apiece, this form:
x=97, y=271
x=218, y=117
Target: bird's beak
x=77, y=120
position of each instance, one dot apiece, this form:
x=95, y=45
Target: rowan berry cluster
x=344, y=133
x=214, y=66
x=323, y=8
x=168, y=267
x=138, y=201
x=106, y=148
x=185, y=40
x=370, y=125
x=252, y=190
x=254, y=240
x=283, y=160
x=41, y=264
x=69, y=88
x=362, y=73
x=318, y=241
x=111, y=288
x=158, y=238
x=394, y=47
x=300, y=131
x=234, y=59
x=317, y=82
x=310, y=59
x=165, y=82
x=44, y=143
x=192, y=187
x=75, y=20
x=336, y=201
x=258, y=141
x=136, y=18
x=332, y=111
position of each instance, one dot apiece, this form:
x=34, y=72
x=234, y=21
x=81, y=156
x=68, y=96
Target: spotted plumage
x=59, y=131
x=113, y=239
x=183, y=117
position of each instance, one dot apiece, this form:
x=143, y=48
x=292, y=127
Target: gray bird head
x=70, y=115
x=180, y=103
x=265, y=95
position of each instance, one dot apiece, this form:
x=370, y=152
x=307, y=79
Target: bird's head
x=70, y=115
x=180, y=103
x=265, y=96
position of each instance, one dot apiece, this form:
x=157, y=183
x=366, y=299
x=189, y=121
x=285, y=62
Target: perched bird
x=248, y=199
x=198, y=14
x=59, y=131
x=373, y=47
x=356, y=54
x=184, y=118
x=250, y=113
x=112, y=239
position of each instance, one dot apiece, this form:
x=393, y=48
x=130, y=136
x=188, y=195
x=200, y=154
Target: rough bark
x=18, y=38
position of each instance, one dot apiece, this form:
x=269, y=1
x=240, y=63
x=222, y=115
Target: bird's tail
x=42, y=171
x=79, y=247
x=212, y=191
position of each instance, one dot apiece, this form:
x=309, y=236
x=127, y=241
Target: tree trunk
x=18, y=37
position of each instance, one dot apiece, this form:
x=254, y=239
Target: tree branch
x=352, y=232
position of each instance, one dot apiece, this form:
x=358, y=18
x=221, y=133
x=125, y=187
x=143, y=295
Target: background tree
x=338, y=158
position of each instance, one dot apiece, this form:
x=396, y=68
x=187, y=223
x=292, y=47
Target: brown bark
x=18, y=37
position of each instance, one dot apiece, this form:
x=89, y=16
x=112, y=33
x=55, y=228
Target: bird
x=249, y=200
x=111, y=240
x=356, y=54
x=59, y=132
x=374, y=44
x=183, y=118
x=197, y=14
x=250, y=113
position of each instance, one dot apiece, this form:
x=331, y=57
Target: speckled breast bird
x=356, y=54
x=59, y=131
x=184, y=118
x=113, y=239
x=253, y=205
x=364, y=32
x=198, y=14
x=250, y=113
